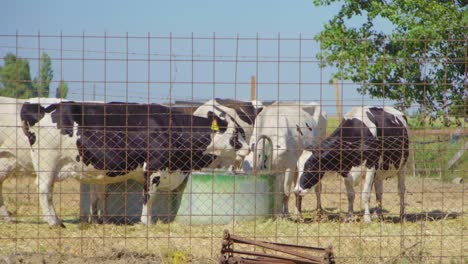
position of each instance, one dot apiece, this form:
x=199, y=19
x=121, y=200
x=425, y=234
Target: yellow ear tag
x=214, y=126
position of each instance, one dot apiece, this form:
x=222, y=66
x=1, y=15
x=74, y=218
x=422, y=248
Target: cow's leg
x=366, y=193
x=298, y=207
x=349, y=183
x=378, y=186
x=318, y=191
x=97, y=203
x=287, y=184
x=45, y=183
x=401, y=191
x=152, y=181
x=298, y=200
x=4, y=214
x=6, y=165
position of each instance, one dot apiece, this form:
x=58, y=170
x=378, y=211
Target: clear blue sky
x=176, y=77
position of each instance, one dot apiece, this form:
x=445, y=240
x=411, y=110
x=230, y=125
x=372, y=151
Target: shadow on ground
x=328, y=215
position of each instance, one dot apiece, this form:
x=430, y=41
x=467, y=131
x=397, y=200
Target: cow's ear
x=371, y=117
x=51, y=108
x=258, y=110
x=310, y=109
x=222, y=116
x=314, y=146
x=31, y=113
x=210, y=115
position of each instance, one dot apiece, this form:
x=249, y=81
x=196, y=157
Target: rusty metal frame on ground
x=291, y=254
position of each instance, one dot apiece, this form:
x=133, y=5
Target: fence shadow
x=330, y=216
x=434, y=215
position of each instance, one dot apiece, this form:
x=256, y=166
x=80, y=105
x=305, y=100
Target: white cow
x=14, y=147
x=290, y=127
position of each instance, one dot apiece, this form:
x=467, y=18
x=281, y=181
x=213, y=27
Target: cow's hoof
x=283, y=217
x=349, y=219
x=5, y=216
x=319, y=214
x=299, y=219
x=367, y=219
x=402, y=218
x=58, y=225
x=378, y=216
x=55, y=222
x=146, y=221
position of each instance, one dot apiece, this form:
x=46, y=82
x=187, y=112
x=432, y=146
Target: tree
x=42, y=83
x=422, y=59
x=16, y=78
x=62, y=90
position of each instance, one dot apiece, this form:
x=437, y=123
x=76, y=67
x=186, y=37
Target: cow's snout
x=243, y=151
x=247, y=166
x=298, y=191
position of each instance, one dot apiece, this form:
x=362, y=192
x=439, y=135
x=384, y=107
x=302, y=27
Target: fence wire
x=190, y=214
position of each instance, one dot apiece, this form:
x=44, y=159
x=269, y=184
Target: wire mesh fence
x=139, y=162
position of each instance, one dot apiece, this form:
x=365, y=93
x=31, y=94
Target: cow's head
x=33, y=111
x=231, y=125
x=309, y=170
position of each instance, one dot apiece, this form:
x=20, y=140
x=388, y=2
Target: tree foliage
x=42, y=83
x=422, y=59
x=62, y=90
x=16, y=78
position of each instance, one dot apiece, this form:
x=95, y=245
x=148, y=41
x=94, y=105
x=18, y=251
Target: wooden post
x=457, y=156
x=252, y=88
x=337, y=98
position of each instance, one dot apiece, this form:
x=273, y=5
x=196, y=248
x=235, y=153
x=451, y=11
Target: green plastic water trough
x=220, y=199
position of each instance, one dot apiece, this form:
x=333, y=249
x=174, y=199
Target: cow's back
x=382, y=131
x=392, y=130
x=291, y=127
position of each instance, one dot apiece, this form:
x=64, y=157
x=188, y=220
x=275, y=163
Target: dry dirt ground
x=118, y=257
x=435, y=230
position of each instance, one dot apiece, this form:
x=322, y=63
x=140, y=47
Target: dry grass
x=435, y=230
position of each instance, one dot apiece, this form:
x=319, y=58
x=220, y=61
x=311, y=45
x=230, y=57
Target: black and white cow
x=15, y=154
x=368, y=140
x=111, y=142
x=289, y=126
x=237, y=120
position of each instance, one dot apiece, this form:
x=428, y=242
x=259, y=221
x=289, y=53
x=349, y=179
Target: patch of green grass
x=332, y=123
x=432, y=154
x=421, y=122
